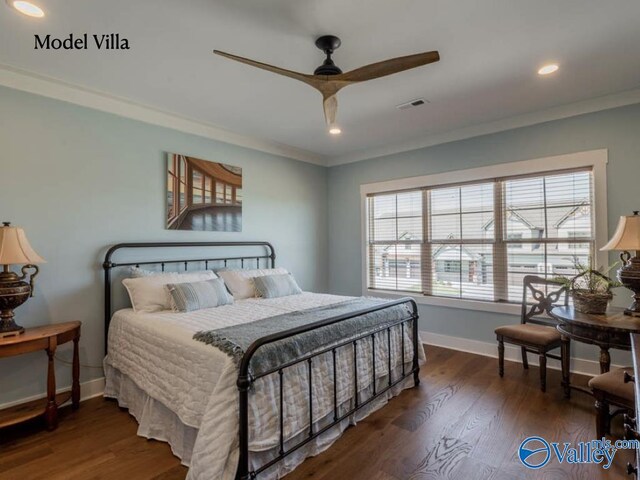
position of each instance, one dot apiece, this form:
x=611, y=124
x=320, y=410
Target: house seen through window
x=478, y=240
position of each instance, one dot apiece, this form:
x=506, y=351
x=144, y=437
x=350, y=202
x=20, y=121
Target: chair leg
x=543, y=372
x=602, y=417
x=565, y=355
x=525, y=361
x=500, y=357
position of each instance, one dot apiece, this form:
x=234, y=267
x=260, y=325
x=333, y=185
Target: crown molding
x=556, y=113
x=57, y=89
x=23, y=80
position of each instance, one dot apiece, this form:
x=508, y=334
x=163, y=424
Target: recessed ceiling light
x=547, y=69
x=27, y=8
x=335, y=130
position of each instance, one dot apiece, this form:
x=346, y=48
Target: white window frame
x=595, y=159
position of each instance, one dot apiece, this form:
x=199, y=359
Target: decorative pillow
x=273, y=286
x=148, y=295
x=187, y=297
x=241, y=282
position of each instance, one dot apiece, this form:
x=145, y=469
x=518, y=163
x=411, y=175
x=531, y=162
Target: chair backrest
x=544, y=299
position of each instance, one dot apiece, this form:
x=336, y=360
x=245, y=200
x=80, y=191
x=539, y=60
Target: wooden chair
x=536, y=332
x=611, y=389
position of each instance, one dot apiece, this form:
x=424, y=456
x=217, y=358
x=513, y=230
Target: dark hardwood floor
x=464, y=422
x=220, y=219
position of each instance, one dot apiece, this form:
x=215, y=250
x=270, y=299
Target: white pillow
x=148, y=294
x=240, y=282
x=137, y=272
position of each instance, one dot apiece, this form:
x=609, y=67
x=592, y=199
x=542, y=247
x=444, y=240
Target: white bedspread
x=197, y=382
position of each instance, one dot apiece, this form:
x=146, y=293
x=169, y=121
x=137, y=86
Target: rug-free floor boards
x=464, y=422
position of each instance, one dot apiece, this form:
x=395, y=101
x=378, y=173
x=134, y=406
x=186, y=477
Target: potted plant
x=590, y=288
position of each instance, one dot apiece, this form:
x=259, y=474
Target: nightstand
x=45, y=338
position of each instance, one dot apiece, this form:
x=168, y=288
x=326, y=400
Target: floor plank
x=462, y=422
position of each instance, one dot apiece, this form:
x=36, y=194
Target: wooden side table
x=44, y=338
x=610, y=330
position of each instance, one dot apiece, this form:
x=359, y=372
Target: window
x=197, y=187
x=207, y=190
x=577, y=234
x=451, y=266
x=461, y=233
x=395, y=232
x=183, y=183
x=515, y=236
x=556, y=211
x=219, y=192
x=477, y=240
x=172, y=182
x=176, y=186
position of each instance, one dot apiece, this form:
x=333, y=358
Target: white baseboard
x=511, y=353
x=95, y=388
x=89, y=389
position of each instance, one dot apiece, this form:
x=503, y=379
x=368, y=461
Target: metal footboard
x=246, y=380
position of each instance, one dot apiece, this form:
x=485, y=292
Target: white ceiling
x=490, y=53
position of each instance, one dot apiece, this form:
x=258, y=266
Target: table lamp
x=14, y=291
x=627, y=239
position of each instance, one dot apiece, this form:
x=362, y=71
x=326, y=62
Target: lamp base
x=9, y=328
x=629, y=276
x=13, y=293
x=634, y=308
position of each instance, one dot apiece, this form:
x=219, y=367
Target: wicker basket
x=586, y=301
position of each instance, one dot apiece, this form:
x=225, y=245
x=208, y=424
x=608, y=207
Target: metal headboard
x=109, y=265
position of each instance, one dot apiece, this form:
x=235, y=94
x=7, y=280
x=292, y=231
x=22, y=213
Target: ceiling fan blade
x=308, y=79
x=389, y=67
x=330, y=105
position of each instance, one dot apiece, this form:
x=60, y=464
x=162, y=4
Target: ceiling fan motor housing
x=328, y=44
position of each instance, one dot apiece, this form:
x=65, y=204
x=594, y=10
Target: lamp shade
x=627, y=236
x=15, y=248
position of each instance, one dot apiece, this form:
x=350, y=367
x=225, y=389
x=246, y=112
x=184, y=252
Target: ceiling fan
x=328, y=79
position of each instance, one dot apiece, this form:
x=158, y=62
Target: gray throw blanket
x=235, y=340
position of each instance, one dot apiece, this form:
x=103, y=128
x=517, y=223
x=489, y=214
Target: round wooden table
x=611, y=330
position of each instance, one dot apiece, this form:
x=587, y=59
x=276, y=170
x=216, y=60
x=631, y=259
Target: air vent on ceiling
x=412, y=103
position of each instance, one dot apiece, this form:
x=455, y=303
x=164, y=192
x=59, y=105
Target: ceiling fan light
x=27, y=8
x=548, y=69
x=335, y=130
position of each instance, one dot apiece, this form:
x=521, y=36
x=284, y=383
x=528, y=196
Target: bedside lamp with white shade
x=14, y=291
x=627, y=239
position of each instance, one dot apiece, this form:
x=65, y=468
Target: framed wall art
x=203, y=195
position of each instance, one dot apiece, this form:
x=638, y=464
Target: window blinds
x=478, y=240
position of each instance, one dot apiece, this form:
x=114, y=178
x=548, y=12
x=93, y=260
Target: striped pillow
x=273, y=286
x=240, y=283
x=187, y=297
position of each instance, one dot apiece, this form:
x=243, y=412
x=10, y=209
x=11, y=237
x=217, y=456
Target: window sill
x=477, y=305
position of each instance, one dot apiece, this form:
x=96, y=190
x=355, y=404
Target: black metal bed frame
x=246, y=380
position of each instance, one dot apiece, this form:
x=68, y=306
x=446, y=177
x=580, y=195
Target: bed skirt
x=157, y=422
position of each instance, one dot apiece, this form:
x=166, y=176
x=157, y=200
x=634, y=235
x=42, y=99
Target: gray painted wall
x=617, y=130
x=78, y=180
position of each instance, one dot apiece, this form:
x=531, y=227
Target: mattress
x=195, y=383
